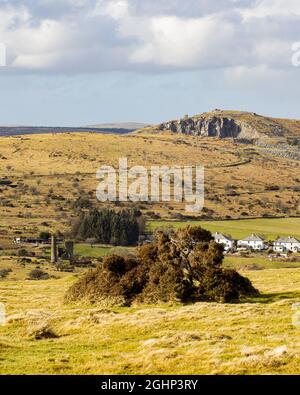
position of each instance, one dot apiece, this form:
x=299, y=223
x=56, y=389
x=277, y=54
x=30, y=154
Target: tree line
x=107, y=226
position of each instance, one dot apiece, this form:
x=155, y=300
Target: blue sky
x=78, y=62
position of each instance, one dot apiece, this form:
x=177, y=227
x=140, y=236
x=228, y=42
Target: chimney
x=53, y=249
x=69, y=245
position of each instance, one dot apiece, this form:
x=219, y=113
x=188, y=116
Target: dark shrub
x=38, y=274
x=42, y=332
x=221, y=285
x=180, y=266
x=5, y=272
x=45, y=236
x=82, y=202
x=23, y=252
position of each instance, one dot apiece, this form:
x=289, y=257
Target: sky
x=81, y=62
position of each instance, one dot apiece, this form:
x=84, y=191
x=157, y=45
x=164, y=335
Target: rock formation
x=219, y=124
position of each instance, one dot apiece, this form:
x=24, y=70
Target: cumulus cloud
x=116, y=9
x=279, y=8
x=181, y=42
x=97, y=35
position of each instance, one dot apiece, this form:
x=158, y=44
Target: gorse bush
x=82, y=202
x=38, y=274
x=22, y=252
x=5, y=272
x=180, y=266
x=108, y=226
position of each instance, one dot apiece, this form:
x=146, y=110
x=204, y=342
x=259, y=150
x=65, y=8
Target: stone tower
x=53, y=249
x=69, y=244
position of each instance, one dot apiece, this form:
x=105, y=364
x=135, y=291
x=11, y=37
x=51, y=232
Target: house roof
x=222, y=236
x=288, y=239
x=253, y=237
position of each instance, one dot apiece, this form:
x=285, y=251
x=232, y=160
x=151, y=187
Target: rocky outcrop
x=213, y=126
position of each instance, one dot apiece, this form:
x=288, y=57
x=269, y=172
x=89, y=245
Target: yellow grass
x=256, y=337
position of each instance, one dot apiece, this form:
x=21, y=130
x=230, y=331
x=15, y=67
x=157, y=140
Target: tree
x=183, y=265
x=45, y=236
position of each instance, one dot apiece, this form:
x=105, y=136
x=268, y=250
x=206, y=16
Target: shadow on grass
x=273, y=297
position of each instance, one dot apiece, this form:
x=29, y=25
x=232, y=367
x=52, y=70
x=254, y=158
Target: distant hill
x=121, y=125
x=240, y=125
x=117, y=128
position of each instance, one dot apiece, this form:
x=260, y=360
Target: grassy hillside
x=130, y=126
x=255, y=337
x=49, y=172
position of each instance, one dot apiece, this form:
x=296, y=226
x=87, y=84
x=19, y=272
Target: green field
x=259, y=262
x=86, y=250
x=270, y=228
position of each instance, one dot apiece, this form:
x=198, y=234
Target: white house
x=227, y=241
x=252, y=242
x=289, y=243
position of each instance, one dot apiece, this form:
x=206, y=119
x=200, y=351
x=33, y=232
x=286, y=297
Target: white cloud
x=41, y=47
x=182, y=42
x=12, y=16
x=116, y=9
x=85, y=35
x=266, y=8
